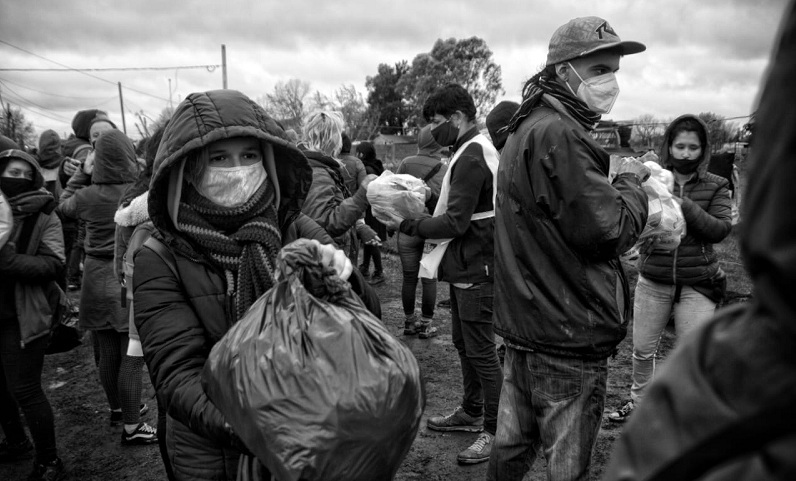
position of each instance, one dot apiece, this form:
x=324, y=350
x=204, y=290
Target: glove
x=635, y=167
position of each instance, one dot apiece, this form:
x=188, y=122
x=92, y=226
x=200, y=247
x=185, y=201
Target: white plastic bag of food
x=665, y=218
x=401, y=194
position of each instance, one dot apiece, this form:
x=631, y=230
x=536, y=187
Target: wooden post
x=121, y=104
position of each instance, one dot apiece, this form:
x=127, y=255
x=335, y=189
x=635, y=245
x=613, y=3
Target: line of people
x=530, y=227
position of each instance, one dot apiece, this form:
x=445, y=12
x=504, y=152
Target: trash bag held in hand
x=401, y=194
x=312, y=383
x=665, y=219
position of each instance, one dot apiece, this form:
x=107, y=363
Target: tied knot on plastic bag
x=315, y=386
x=301, y=260
x=403, y=195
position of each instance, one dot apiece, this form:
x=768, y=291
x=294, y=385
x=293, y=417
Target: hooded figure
x=30, y=264
x=686, y=283
x=722, y=407
x=223, y=258
x=111, y=171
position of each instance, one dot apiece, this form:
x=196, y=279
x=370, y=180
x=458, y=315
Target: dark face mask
x=684, y=166
x=445, y=134
x=13, y=186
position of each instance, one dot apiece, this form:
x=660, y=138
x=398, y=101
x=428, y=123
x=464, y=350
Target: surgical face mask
x=598, y=92
x=445, y=133
x=231, y=186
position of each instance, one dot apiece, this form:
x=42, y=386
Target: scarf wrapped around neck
x=243, y=240
x=533, y=95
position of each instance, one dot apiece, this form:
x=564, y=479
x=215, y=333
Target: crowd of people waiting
x=187, y=226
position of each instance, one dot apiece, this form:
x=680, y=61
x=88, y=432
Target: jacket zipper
x=674, y=264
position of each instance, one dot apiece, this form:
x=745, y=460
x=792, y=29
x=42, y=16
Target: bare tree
x=351, y=104
x=647, y=130
x=287, y=103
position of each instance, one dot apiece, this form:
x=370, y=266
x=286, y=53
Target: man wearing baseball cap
x=561, y=296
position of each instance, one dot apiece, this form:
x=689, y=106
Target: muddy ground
x=91, y=449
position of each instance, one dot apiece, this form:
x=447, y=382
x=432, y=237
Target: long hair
x=323, y=132
x=531, y=94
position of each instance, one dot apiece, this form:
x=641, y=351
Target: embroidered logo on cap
x=604, y=27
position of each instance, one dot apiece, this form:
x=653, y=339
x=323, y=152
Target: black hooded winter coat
x=179, y=319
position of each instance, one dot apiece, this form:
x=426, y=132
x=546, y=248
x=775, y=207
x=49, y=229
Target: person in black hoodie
x=30, y=263
x=373, y=166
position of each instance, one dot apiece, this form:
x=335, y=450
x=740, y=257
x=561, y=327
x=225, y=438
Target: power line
x=49, y=93
x=209, y=68
x=30, y=102
x=80, y=71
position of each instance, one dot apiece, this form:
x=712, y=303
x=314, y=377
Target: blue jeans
x=556, y=400
x=410, y=248
x=474, y=338
x=652, y=306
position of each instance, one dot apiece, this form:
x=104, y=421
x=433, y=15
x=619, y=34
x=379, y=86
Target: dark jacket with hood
x=559, y=230
x=722, y=406
x=179, y=319
x=95, y=205
x=707, y=209
x=30, y=266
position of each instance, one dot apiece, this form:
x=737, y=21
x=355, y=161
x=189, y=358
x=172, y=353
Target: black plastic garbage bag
x=313, y=384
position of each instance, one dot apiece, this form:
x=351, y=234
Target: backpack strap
x=159, y=248
x=432, y=172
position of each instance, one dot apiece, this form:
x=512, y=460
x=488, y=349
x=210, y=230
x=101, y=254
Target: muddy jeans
x=556, y=400
x=474, y=338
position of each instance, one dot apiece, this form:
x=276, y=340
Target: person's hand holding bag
x=336, y=259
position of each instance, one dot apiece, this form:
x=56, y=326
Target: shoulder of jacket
x=711, y=178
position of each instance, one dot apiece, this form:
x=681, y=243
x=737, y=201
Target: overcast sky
x=706, y=55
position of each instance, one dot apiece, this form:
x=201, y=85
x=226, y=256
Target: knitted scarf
x=532, y=97
x=243, y=240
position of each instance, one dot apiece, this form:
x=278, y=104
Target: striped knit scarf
x=243, y=240
x=532, y=97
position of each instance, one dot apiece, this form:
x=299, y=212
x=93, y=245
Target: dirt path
x=91, y=449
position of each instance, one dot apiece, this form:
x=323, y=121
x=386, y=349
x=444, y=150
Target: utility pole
x=121, y=103
x=171, y=105
x=224, y=65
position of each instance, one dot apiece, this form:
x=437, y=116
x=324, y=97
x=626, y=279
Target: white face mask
x=231, y=186
x=598, y=92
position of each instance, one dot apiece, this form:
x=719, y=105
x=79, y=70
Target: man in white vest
x=461, y=230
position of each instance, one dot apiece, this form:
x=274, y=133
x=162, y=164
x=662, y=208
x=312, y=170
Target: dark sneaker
x=52, y=471
x=458, y=420
x=621, y=414
x=411, y=325
x=478, y=452
x=116, y=416
x=143, y=434
x=13, y=452
x=377, y=278
x=427, y=331
x=364, y=271
x=446, y=303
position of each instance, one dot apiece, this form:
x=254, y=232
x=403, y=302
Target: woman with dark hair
x=225, y=196
x=31, y=262
x=688, y=281
x=111, y=170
